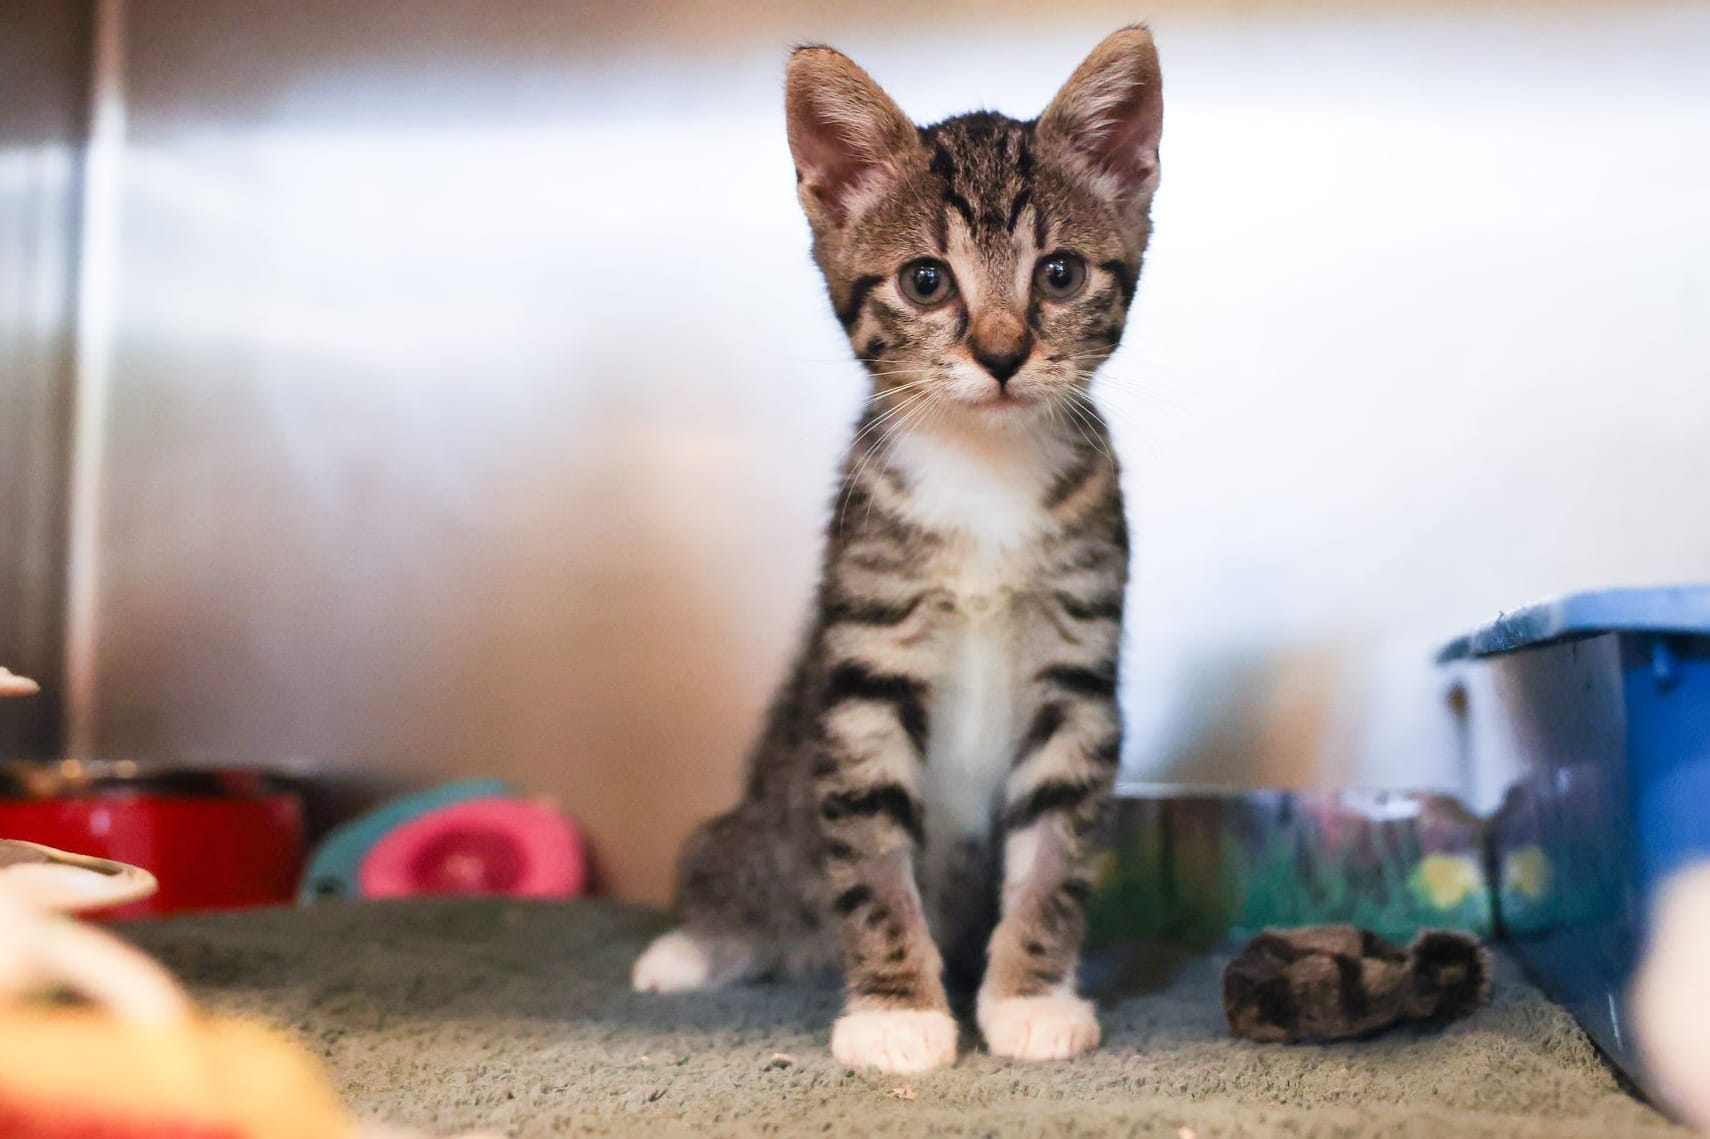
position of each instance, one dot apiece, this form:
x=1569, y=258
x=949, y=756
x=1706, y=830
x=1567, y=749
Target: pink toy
x=481, y=846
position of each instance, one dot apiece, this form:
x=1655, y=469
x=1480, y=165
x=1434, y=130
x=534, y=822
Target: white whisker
x=854, y=476
x=1079, y=407
x=933, y=399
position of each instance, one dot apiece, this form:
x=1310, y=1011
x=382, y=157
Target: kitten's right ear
x=846, y=134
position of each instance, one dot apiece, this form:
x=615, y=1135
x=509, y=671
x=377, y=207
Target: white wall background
x=475, y=403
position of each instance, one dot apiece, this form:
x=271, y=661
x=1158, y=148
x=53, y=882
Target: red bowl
x=216, y=839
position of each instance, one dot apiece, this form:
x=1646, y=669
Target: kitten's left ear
x=1109, y=116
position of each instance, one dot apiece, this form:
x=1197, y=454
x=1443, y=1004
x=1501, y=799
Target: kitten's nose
x=1002, y=363
x=1000, y=344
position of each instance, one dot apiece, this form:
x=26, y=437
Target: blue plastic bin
x=1596, y=709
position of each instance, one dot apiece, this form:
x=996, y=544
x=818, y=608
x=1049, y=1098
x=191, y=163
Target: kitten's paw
x=1058, y=1026
x=895, y=1040
x=674, y=963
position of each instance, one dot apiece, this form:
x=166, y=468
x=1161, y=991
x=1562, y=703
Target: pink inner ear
x=828, y=160
x=1128, y=146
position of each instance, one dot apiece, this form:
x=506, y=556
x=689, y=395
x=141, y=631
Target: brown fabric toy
x=1335, y=982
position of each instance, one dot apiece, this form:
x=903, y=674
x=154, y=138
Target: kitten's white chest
x=992, y=498
x=971, y=726
x=989, y=509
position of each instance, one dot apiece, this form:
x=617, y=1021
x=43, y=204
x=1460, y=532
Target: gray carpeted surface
x=516, y=1017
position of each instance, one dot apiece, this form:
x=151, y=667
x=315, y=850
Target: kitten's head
x=982, y=266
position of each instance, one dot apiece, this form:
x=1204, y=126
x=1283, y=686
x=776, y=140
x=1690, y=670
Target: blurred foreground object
x=136, y=1061
x=12, y=684
x=477, y=836
x=50, y=879
x=1671, y=998
x=40, y=951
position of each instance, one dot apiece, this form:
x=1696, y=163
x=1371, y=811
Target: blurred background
x=417, y=388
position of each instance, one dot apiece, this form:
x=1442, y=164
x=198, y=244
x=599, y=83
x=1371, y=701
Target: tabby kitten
x=940, y=761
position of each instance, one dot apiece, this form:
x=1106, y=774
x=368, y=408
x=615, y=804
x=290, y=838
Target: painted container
x=1204, y=868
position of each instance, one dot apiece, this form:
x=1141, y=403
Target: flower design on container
x=1528, y=871
x=1446, y=880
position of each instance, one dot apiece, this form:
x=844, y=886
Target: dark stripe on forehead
x=857, y=297
x=1024, y=152
x=1021, y=201
x=961, y=205
x=945, y=167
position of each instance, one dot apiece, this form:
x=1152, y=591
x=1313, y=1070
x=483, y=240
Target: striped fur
x=935, y=776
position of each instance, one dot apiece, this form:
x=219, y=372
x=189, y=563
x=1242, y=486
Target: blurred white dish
x=50, y=879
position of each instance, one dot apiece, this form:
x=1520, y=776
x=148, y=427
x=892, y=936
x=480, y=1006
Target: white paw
x=1058, y=1026
x=895, y=1040
x=674, y=963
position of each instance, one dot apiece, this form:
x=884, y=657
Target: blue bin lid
x=1682, y=609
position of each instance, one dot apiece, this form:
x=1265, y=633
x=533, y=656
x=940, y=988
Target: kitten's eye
x=1060, y=276
x=927, y=283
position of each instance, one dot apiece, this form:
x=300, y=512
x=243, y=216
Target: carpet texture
x=517, y=1018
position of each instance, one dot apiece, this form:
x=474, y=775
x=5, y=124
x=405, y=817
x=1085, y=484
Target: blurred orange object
x=80, y=1074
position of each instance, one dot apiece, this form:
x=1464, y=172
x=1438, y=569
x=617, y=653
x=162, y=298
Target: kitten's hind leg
x=682, y=961
x=748, y=910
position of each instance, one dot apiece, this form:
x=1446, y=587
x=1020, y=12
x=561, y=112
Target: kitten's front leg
x=895, y=1017
x=1057, y=802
